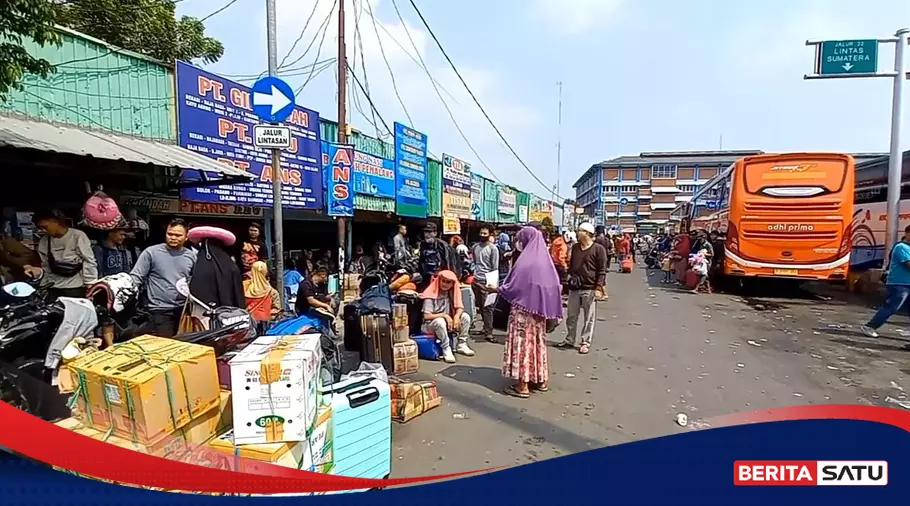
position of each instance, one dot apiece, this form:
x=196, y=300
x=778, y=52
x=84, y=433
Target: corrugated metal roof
x=26, y=134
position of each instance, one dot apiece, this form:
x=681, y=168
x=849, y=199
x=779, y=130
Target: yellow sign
x=457, y=205
x=451, y=225
x=540, y=209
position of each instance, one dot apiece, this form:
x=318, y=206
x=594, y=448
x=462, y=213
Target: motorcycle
x=27, y=326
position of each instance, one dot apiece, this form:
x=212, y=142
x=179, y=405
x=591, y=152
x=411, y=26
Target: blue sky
x=637, y=75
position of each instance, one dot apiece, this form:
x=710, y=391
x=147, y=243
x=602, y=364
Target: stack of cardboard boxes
x=161, y=397
x=404, y=349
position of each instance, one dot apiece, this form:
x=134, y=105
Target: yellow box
x=146, y=388
x=293, y=455
x=213, y=422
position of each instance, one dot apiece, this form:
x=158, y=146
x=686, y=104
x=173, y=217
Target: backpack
x=432, y=257
x=226, y=315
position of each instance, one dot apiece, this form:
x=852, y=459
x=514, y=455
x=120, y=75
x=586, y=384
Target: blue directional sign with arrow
x=273, y=99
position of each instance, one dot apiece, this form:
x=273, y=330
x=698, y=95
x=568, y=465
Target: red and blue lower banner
x=781, y=456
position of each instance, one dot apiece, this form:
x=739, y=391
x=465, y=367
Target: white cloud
x=576, y=17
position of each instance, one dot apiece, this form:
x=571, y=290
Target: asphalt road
x=657, y=352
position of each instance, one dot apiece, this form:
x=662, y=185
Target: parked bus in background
x=870, y=212
x=783, y=215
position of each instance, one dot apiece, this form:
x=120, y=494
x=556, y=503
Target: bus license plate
x=786, y=272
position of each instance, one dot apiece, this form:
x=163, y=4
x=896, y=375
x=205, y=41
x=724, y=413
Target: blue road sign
x=623, y=201
x=273, y=99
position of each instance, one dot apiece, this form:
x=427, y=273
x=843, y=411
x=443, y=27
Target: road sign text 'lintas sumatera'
x=849, y=57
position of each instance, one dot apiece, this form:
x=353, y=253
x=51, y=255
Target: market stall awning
x=23, y=133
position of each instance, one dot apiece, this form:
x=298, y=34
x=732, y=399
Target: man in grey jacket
x=159, y=268
x=486, y=260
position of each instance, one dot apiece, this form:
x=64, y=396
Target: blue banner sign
x=215, y=118
x=339, y=166
x=374, y=175
x=410, y=172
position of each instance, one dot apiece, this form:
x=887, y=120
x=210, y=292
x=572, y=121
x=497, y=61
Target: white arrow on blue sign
x=273, y=99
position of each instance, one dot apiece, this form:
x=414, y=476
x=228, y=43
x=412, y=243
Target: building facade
x=638, y=193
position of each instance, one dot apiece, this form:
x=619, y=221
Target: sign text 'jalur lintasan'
x=215, y=118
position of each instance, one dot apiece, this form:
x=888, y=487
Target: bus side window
x=724, y=197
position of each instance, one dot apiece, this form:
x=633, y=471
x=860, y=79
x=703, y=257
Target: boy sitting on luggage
x=443, y=313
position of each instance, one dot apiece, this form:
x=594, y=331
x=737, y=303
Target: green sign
x=849, y=57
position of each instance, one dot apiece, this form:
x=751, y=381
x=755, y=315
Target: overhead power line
x=219, y=10
x=439, y=94
x=323, y=27
x=403, y=49
x=473, y=97
x=302, y=33
x=388, y=66
x=358, y=46
x=369, y=100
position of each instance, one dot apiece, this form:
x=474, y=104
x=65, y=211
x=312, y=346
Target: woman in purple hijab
x=534, y=291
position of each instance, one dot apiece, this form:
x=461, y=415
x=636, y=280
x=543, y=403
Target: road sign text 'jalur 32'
x=848, y=57
x=859, y=58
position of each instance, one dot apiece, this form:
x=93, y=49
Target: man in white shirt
x=68, y=263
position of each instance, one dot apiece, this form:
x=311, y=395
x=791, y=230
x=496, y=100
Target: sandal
x=541, y=388
x=511, y=390
x=584, y=349
x=565, y=345
x=491, y=339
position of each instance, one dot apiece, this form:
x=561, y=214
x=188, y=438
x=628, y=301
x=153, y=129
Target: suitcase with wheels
x=376, y=346
x=353, y=332
x=361, y=427
x=626, y=265
x=691, y=279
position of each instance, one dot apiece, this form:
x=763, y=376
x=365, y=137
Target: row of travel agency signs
x=215, y=118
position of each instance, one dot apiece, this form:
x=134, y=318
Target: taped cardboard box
x=198, y=432
x=147, y=388
x=405, y=357
x=411, y=399
x=276, y=389
x=244, y=458
x=322, y=442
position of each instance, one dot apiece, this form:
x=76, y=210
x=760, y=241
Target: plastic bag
x=368, y=370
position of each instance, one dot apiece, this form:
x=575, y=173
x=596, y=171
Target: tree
x=21, y=20
x=147, y=27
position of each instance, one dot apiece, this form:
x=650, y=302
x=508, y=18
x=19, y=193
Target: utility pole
x=277, y=213
x=896, y=159
x=721, y=142
x=558, y=141
x=342, y=126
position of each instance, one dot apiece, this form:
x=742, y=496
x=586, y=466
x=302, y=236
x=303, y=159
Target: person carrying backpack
x=435, y=255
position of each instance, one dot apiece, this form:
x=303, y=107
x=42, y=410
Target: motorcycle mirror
x=19, y=289
x=183, y=287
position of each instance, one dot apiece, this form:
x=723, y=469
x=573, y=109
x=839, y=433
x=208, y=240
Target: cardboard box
x=275, y=381
x=322, y=442
x=213, y=422
x=411, y=399
x=294, y=455
x=405, y=356
x=146, y=388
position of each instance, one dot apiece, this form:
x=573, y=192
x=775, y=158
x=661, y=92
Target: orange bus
x=784, y=215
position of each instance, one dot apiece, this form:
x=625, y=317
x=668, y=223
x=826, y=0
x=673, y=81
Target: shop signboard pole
x=838, y=59
x=342, y=127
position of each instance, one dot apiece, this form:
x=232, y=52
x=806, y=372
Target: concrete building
x=639, y=192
